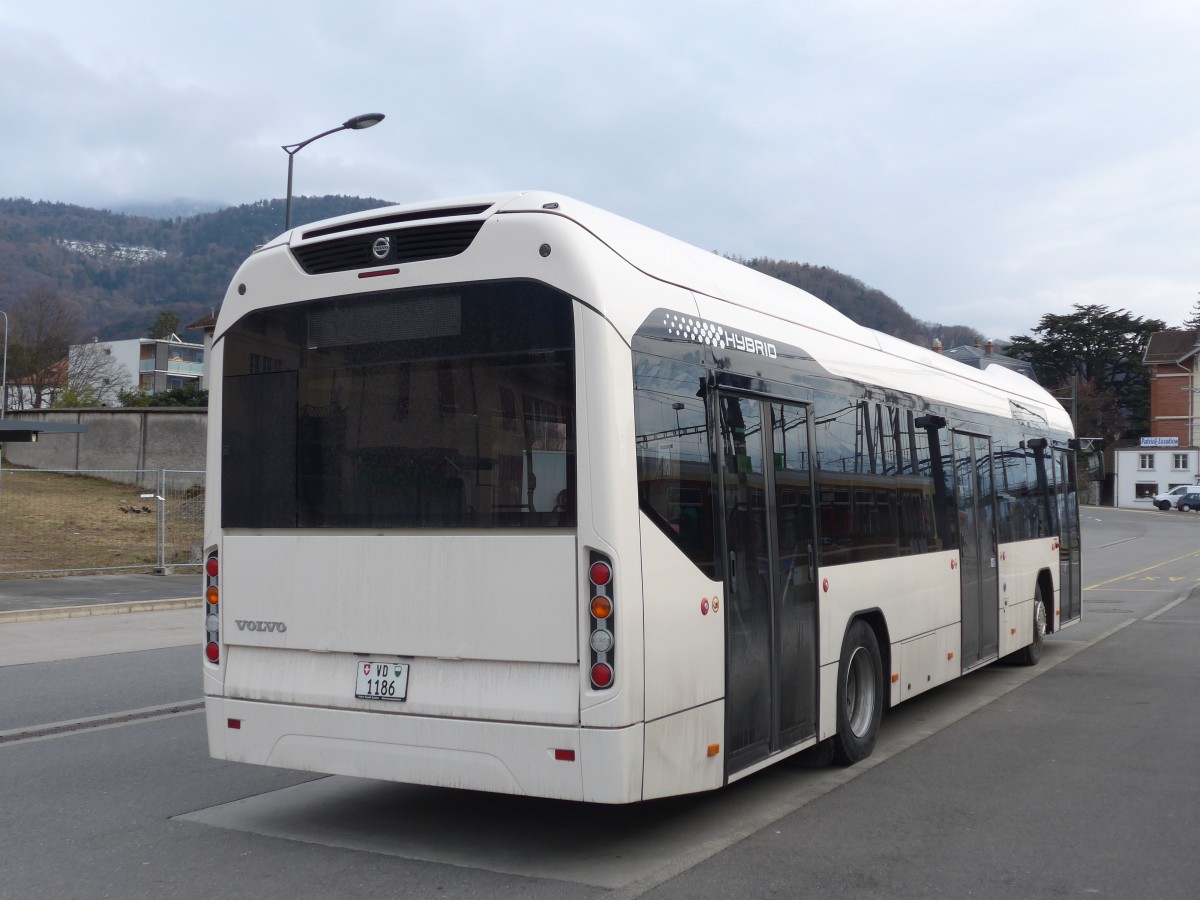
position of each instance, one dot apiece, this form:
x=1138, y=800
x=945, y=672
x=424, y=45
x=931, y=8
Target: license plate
x=381, y=680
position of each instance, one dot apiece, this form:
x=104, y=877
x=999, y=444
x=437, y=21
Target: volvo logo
x=382, y=247
x=258, y=625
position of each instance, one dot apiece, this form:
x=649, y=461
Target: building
x=1144, y=472
x=159, y=364
x=209, y=326
x=35, y=393
x=980, y=357
x=1172, y=358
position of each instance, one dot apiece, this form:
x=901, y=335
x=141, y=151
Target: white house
x=1154, y=468
x=159, y=364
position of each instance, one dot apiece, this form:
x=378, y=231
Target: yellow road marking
x=1191, y=555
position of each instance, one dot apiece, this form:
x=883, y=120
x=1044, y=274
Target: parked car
x=1168, y=499
x=1190, y=500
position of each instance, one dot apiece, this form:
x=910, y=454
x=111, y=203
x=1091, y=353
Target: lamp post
x=358, y=123
x=4, y=370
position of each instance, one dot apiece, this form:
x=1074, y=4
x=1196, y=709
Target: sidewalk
x=34, y=599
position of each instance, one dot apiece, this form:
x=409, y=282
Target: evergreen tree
x=1095, y=352
x=1192, y=322
x=164, y=326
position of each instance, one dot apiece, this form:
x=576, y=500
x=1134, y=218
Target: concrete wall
x=116, y=439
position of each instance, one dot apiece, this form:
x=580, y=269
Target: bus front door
x=977, y=545
x=1069, y=605
x=770, y=578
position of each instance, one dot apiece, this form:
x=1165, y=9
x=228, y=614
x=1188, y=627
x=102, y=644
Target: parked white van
x=1169, y=499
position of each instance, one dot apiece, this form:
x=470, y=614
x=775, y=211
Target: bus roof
x=839, y=344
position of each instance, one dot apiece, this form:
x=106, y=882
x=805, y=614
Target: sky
x=982, y=163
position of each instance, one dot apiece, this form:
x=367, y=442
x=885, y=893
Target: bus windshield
x=428, y=408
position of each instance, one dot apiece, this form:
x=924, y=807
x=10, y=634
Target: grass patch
x=57, y=520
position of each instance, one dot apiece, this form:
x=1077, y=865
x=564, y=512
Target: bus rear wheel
x=859, y=695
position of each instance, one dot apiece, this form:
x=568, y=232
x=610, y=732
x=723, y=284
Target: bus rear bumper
x=567, y=763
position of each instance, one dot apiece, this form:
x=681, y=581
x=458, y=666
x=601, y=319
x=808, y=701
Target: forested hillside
x=122, y=270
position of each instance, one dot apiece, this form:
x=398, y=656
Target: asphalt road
x=1074, y=778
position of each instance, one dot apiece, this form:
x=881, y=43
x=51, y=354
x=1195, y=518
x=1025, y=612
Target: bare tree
x=44, y=326
x=94, y=377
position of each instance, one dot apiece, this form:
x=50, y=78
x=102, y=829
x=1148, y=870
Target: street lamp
x=358, y=123
x=4, y=369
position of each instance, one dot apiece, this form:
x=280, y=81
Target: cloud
x=975, y=161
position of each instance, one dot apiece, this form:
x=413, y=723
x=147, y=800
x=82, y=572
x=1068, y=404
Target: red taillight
x=600, y=574
x=602, y=606
x=564, y=755
x=602, y=675
x=212, y=600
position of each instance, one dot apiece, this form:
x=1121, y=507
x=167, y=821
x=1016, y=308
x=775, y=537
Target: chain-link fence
x=53, y=522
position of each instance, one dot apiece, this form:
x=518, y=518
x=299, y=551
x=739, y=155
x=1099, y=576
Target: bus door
x=770, y=578
x=1068, y=530
x=977, y=544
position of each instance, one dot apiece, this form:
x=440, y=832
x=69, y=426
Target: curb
x=98, y=609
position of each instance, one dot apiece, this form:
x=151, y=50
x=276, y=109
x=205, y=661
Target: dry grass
x=51, y=520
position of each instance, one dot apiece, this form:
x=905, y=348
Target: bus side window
x=673, y=463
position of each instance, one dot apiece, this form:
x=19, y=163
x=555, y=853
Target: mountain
x=865, y=305
x=179, y=208
x=123, y=270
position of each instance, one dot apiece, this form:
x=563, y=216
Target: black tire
x=1032, y=654
x=859, y=695
x=1164, y=505
x=1183, y=507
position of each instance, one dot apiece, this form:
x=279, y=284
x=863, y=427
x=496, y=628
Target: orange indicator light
x=211, y=595
x=714, y=749
x=601, y=607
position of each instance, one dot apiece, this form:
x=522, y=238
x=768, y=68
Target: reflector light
x=601, y=675
x=565, y=755
x=600, y=574
x=895, y=678
x=601, y=607
x=212, y=651
x=714, y=749
x=211, y=567
x=235, y=724
x=212, y=595
x=601, y=641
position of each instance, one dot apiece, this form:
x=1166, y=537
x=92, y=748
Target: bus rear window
x=430, y=408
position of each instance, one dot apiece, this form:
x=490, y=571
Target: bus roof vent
x=403, y=245
x=396, y=218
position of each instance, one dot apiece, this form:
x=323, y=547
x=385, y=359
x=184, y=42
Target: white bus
x=511, y=494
